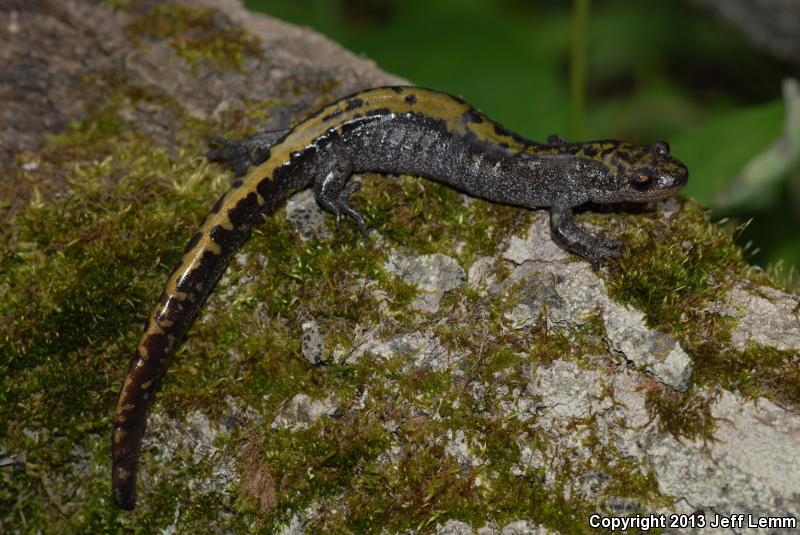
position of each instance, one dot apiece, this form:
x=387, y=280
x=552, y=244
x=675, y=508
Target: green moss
x=81, y=273
x=196, y=33
x=682, y=415
x=669, y=269
x=428, y=487
x=322, y=461
x=756, y=371
x=335, y=468
x=428, y=217
x=674, y=272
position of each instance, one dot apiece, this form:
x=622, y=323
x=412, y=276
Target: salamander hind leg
x=333, y=191
x=240, y=154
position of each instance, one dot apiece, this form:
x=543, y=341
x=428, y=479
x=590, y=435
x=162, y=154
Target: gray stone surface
x=301, y=411
x=312, y=343
x=537, y=245
x=458, y=446
x=765, y=316
x=570, y=294
x=518, y=527
x=432, y=274
x=563, y=389
x=749, y=467
x=42, y=77
x=50, y=48
x=657, y=352
x=199, y=441
x=305, y=215
x=423, y=350
x=478, y=273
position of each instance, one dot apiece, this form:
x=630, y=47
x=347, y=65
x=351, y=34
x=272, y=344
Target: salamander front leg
x=333, y=194
x=575, y=240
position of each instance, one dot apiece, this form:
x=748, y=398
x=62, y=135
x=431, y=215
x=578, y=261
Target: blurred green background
x=629, y=69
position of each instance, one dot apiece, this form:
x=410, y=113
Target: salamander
x=388, y=130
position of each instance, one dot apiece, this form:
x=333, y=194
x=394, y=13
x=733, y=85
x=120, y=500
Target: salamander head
x=642, y=173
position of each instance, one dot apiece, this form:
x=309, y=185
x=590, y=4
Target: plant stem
x=577, y=67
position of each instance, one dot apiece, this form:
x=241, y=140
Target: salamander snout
x=670, y=174
x=676, y=177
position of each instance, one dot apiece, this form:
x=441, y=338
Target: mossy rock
x=496, y=408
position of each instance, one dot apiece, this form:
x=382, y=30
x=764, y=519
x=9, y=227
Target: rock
x=619, y=506
x=524, y=527
x=457, y=446
x=296, y=526
x=478, y=272
x=455, y=527
x=537, y=246
x=571, y=294
x=668, y=208
x=194, y=440
x=301, y=411
x=313, y=342
x=658, y=353
x=423, y=350
x=571, y=291
x=432, y=274
x=305, y=215
x=748, y=467
x=562, y=387
x=579, y=424
x=768, y=318
x=76, y=40
x=539, y=294
x=518, y=527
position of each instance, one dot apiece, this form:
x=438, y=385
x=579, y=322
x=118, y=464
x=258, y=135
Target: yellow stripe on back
x=398, y=100
x=433, y=104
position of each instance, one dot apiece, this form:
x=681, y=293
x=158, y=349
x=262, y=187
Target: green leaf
x=718, y=150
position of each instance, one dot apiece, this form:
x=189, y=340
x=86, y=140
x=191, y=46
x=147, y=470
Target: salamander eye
x=642, y=181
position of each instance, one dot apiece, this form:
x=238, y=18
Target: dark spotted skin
x=391, y=130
